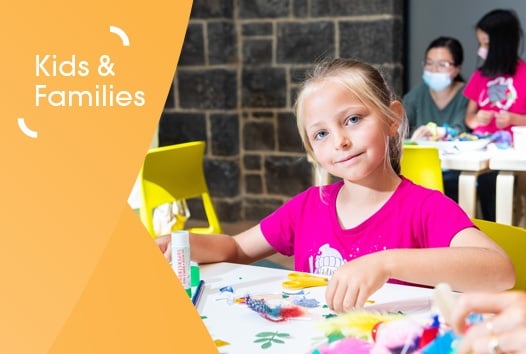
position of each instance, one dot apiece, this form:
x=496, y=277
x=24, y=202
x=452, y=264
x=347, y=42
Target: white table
x=508, y=163
x=471, y=164
x=239, y=326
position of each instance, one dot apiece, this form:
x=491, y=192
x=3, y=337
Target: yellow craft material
x=356, y=323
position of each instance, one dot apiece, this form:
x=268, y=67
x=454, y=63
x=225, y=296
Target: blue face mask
x=436, y=81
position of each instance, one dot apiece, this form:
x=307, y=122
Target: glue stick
x=181, y=258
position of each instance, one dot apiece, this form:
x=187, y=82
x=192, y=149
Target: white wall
x=428, y=19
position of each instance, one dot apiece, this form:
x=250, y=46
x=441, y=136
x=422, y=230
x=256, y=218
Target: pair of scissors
x=298, y=280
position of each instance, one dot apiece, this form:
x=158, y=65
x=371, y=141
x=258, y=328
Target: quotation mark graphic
x=23, y=127
x=119, y=32
x=34, y=134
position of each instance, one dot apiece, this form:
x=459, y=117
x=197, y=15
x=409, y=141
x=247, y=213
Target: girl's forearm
x=464, y=268
x=213, y=248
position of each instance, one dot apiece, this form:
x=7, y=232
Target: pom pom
x=399, y=335
x=346, y=345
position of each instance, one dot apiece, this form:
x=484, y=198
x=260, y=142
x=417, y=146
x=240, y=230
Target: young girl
x=374, y=225
x=497, y=89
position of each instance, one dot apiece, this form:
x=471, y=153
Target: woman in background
x=439, y=98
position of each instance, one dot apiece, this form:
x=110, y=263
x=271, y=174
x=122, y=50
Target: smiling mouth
x=348, y=158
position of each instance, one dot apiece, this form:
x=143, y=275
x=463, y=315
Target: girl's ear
x=398, y=109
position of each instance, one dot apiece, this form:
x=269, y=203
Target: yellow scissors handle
x=303, y=280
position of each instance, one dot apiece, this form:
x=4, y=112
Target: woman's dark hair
x=454, y=47
x=505, y=34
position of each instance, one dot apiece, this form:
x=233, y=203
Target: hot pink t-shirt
x=307, y=226
x=502, y=93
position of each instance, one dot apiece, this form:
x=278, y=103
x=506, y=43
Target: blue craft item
x=198, y=292
x=502, y=139
x=446, y=343
x=226, y=289
x=261, y=307
x=474, y=318
x=228, y=294
x=304, y=302
x=450, y=132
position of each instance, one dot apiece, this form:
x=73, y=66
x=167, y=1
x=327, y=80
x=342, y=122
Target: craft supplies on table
x=264, y=325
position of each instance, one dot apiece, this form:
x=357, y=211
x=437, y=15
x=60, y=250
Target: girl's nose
x=342, y=141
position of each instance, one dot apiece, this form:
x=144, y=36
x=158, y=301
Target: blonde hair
x=366, y=84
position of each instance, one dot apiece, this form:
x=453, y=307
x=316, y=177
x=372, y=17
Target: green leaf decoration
x=266, y=345
x=265, y=334
x=329, y=315
x=268, y=338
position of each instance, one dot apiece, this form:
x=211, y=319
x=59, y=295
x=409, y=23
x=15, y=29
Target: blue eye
x=320, y=135
x=353, y=120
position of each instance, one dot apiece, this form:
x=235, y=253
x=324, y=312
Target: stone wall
x=235, y=87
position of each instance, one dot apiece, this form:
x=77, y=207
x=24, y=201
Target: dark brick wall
x=235, y=87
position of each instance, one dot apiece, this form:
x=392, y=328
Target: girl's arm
x=471, y=115
x=246, y=247
x=472, y=262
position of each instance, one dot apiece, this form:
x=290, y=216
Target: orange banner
x=83, y=87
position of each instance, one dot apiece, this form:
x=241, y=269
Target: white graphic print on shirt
x=326, y=261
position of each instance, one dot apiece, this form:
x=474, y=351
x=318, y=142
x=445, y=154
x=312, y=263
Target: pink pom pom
x=345, y=345
x=398, y=333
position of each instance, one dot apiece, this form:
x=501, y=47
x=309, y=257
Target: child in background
x=374, y=225
x=496, y=90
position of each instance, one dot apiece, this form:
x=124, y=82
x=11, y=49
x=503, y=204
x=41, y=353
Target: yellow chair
x=421, y=164
x=171, y=173
x=513, y=240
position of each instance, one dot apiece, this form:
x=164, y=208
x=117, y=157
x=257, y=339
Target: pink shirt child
x=307, y=226
x=502, y=93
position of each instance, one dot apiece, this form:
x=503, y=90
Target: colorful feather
x=276, y=314
x=357, y=323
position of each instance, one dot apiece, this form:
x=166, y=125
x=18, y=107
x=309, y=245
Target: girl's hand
x=352, y=283
x=164, y=245
x=503, y=119
x=484, y=117
x=505, y=332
